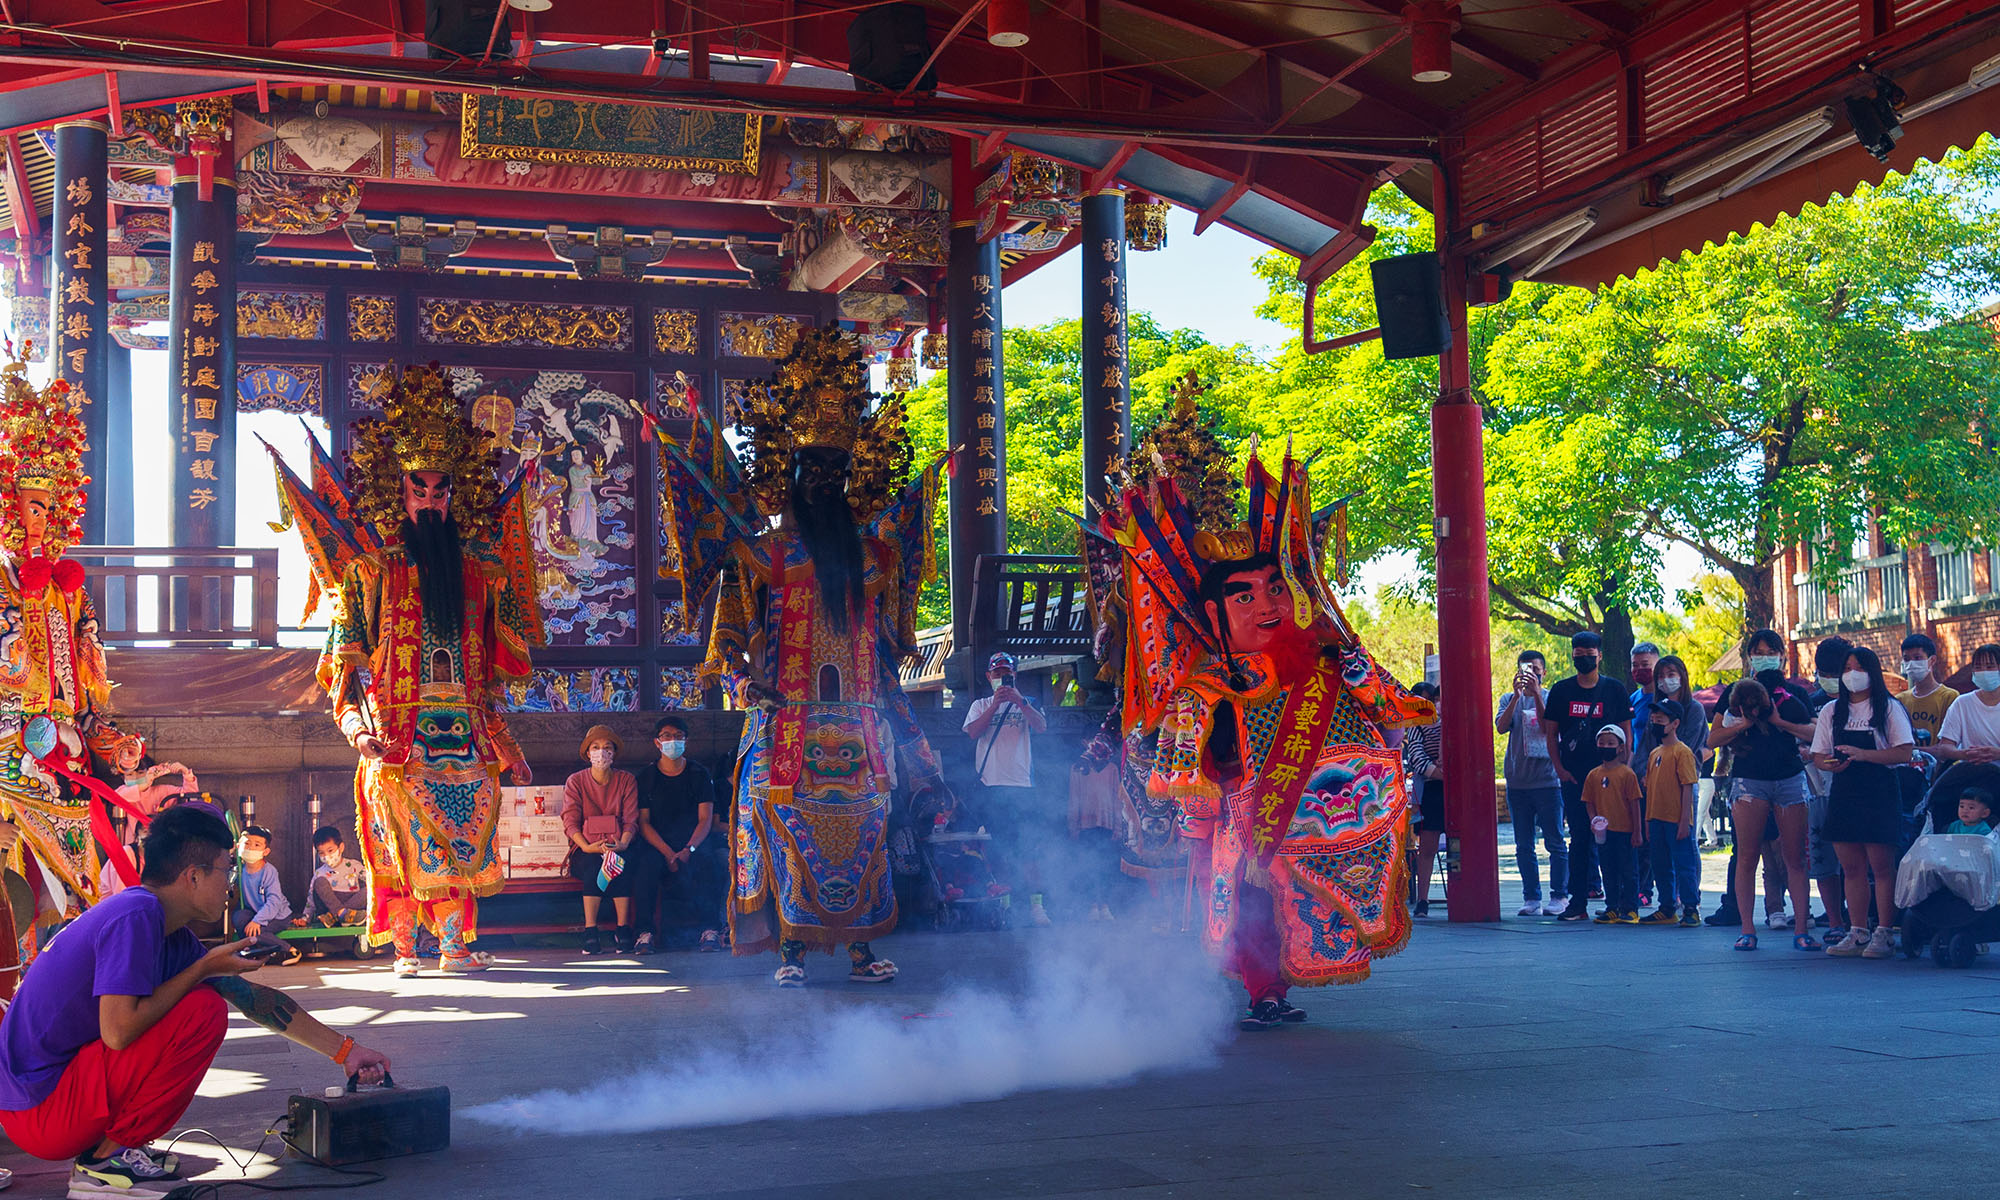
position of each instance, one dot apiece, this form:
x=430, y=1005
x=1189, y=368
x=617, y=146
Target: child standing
x=1611, y=795
x=264, y=906
x=1975, y=812
x=335, y=898
x=1671, y=775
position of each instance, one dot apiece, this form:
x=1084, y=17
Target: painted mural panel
x=574, y=425
x=595, y=689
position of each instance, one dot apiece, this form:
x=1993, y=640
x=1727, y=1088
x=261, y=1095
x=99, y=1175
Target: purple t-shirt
x=116, y=949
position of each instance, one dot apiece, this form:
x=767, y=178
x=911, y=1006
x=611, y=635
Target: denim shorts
x=1779, y=793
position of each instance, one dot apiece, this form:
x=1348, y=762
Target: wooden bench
x=515, y=887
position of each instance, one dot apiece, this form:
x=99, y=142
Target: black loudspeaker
x=1409, y=305
x=462, y=27
x=887, y=46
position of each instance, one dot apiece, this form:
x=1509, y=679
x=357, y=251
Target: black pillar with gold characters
x=1107, y=418
x=201, y=359
x=975, y=414
x=79, y=318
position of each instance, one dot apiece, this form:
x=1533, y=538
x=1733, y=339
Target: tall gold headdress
x=818, y=398
x=423, y=428
x=41, y=448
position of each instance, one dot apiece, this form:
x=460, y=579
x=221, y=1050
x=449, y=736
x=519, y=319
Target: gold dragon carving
x=487, y=323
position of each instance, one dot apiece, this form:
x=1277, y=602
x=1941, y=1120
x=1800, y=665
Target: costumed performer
x=435, y=611
x=1270, y=715
x=809, y=627
x=55, y=819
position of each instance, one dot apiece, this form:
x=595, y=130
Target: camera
x=662, y=44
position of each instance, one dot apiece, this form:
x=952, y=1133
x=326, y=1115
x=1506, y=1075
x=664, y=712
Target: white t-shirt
x=1011, y=762
x=1971, y=721
x=1858, y=716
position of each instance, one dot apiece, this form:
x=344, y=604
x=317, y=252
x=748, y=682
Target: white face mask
x=1669, y=684
x=254, y=856
x=1760, y=663
x=1986, y=681
x=1854, y=681
x=1916, y=670
x=601, y=756
x=672, y=748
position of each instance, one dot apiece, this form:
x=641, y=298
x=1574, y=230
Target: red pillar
x=1458, y=482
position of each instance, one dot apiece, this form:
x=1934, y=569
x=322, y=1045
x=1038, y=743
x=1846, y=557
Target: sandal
x=1747, y=942
x=1805, y=942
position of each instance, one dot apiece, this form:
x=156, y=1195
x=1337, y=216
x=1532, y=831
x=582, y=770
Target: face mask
x=600, y=757
x=1608, y=753
x=1584, y=663
x=331, y=860
x=1829, y=684
x=1986, y=681
x=1854, y=681
x=673, y=748
x=1760, y=663
x=1642, y=675
x=254, y=856
x=1669, y=684
x=1916, y=670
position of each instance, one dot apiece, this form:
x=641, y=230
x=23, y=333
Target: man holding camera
x=1534, y=795
x=115, y=1026
x=1024, y=824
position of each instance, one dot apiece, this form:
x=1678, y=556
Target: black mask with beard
x=832, y=540
x=432, y=544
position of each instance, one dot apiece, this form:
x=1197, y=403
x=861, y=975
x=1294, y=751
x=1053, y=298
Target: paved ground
x=1527, y=1058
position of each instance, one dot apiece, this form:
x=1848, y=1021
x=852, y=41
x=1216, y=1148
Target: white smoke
x=1096, y=1013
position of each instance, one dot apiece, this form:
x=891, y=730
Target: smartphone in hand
x=259, y=951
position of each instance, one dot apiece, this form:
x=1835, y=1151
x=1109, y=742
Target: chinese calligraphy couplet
x=78, y=308
x=201, y=363
x=1107, y=424
x=975, y=413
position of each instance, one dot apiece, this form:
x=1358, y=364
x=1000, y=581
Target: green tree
x=1780, y=386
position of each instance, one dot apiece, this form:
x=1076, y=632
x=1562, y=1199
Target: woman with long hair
x=1423, y=759
x=1858, y=740
x=1762, y=723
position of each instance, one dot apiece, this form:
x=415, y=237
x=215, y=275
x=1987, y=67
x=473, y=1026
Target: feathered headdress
x=41, y=449
x=818, y=398
x=424, y=428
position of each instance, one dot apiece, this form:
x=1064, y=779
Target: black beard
x=833, y=544
x=432, y=543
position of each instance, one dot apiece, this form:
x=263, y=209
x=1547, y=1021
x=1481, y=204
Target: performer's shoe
x=1260, y=1016
x=465, y=964
x=880, y=970
x=790, y=975
x=407, y=967
x=1289, y=1014
x=712, y=941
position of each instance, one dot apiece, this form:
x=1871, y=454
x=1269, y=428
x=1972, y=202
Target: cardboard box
x=557, y=842
x=526, y=863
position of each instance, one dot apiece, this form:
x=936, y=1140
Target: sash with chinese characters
x=1282, y=782
x=398, y=659
x=796, y=599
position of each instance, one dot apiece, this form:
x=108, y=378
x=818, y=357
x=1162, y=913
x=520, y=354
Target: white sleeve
x=1953, y=728
x=1822, y=742
x=1899, y=730
x=977, y=711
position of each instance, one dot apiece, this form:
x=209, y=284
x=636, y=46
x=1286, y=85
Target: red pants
x=1254, y=945
x=130, y=1096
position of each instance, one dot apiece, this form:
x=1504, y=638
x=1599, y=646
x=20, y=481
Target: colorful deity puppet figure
x=54, y=691
x=814, y=611
x=427, y=560
x=1270, y=717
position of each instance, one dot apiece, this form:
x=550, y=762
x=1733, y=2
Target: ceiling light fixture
x=1430, y=24
x=1007, y=23
x=530, y=5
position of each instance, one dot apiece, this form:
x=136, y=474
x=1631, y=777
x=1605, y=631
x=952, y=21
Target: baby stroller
x=1948, y=885
x=969, y=895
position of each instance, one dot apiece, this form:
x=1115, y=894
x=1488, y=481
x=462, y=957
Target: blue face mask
x=672, y=747
x=1986, y=681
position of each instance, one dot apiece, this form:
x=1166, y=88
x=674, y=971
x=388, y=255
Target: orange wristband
x=340, y=1055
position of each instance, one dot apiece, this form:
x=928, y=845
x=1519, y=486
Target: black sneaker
x=1423, y=909
x=1260, y=1016
x=621, y=938
x=1575, y=912
x=1289, y=1014
x=591, y=944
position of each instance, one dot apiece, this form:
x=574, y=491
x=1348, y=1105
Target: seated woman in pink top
x=601, y=814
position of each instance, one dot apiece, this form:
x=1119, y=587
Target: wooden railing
x=163, y=595
x=1030, y=605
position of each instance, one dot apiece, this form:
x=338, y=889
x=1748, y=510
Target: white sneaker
x=1777, y=920
x=1532, y=908
x=1879, y=945
x=407, y=967
x=1037, y=915
x=1852, y=945
x=1554, y=908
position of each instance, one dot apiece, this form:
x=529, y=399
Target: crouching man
x=118, y=1020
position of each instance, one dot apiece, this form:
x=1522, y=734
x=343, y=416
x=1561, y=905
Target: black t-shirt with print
x=1579, y=712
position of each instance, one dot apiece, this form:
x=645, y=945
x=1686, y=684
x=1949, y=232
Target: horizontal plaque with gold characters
x=596, y=133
